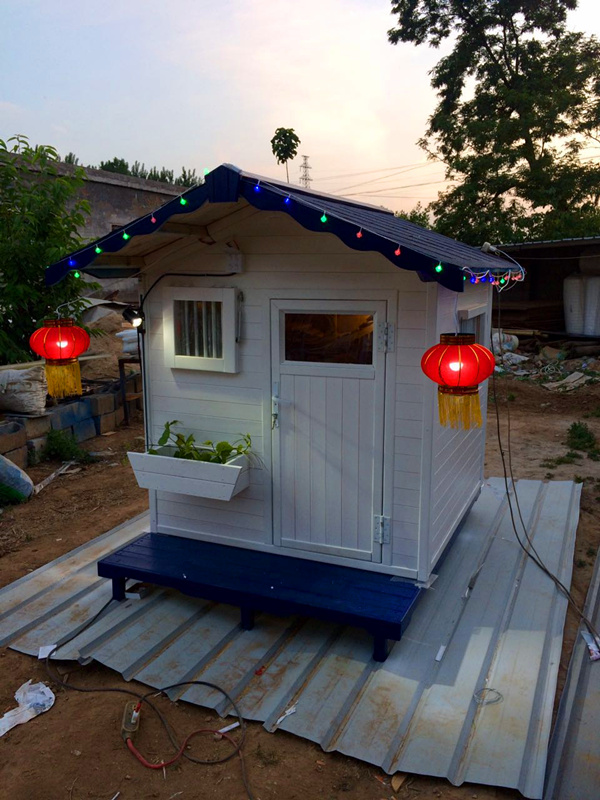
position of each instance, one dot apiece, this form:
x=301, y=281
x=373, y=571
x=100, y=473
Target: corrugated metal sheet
x=574, y=761
x=489, y=629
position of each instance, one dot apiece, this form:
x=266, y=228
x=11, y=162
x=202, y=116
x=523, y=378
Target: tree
x=71, y=158
x=419, y=215
x=39, y=222
x=188, y=178
x=519, y=98
x=118, y=165
x=138, y=170
x=284, y=145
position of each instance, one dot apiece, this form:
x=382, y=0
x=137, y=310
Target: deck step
x=277, y=584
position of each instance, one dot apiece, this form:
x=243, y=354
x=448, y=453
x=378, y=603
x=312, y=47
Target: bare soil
x=75, y=752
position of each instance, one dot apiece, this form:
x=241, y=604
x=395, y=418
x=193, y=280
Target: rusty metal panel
x=489, y=629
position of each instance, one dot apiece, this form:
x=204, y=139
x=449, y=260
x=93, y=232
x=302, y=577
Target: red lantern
x=61, y=342
x=458, y=365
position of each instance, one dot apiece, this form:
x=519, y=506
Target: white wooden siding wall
x=457, y=455
x=280, y=259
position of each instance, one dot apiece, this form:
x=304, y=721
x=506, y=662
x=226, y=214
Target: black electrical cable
x=530, y=551
x=144, y=698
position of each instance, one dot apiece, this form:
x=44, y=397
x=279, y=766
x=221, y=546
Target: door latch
x=275, y=407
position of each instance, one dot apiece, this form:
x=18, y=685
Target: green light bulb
x=206, y=170
x=183, y=201
x=502, y=281
x=126, y=236
x=324, y=217
x=77, y=274
x=439, y=268
x=97, y=250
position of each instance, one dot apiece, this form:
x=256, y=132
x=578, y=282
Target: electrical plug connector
x=131, y=720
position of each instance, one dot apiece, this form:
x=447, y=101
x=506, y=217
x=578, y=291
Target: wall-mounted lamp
x=134, y=316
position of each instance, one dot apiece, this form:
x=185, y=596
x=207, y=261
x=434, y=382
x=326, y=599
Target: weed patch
x=62, y=446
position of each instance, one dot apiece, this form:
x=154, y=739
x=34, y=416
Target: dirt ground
x=75, y=752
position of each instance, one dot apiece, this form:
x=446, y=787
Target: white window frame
x=229, y=333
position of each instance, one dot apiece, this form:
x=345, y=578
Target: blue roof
x=421, y=250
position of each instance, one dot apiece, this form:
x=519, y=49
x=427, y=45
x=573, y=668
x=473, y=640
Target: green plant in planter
x=214, y=452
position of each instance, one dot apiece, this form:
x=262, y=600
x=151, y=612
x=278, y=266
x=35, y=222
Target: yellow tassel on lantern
x=459, y=407
x=64, y=378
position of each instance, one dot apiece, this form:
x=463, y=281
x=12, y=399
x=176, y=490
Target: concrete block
x=18, y=456
x=119, y=415
x=34, y=426
x=67, y=415
x=86, y=429
x=105, y=423
x=133, y=408
x=100, y=403
x=138, y=382
x=12, y=436
x=37, y=445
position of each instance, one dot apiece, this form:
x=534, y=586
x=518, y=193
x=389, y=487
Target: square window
x=200, y=328
x=329, y=338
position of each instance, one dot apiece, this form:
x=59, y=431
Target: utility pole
x=305, y=178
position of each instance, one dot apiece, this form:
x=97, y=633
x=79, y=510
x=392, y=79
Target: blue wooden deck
x=277, y=584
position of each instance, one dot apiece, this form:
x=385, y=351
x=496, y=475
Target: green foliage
x=580, y=437
x=187, y=178
x=519, y=98
x=71, y=158
x=118, y=165
x=62, y=446
x=185, y=447
x=284, y=145
x=419, y=216
x=40, y=220
x=568, y=458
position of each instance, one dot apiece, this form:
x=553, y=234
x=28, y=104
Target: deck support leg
x=118, y=589
x=247, y=615
x=380, y=648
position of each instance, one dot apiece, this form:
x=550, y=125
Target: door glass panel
x=329, y=338
x=198, y=330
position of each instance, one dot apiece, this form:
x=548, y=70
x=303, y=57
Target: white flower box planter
x=183, y=476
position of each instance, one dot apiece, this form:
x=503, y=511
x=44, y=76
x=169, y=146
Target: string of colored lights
x=502, y=277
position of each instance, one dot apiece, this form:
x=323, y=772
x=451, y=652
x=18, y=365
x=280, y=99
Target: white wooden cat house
x=301, y=319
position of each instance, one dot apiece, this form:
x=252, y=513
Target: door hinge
x=381, y=529
x=386, y=337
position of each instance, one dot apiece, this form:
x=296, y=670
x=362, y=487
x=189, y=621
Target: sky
x=196, y=83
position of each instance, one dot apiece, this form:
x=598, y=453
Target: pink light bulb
x=359, y=235
x=397, y=251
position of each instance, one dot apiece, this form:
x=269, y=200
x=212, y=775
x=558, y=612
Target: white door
x=328, y=419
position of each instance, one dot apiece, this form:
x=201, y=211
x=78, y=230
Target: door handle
x=275, y=407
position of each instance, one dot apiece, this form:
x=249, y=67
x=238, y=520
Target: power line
x=372, y=171
x=381, y=178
